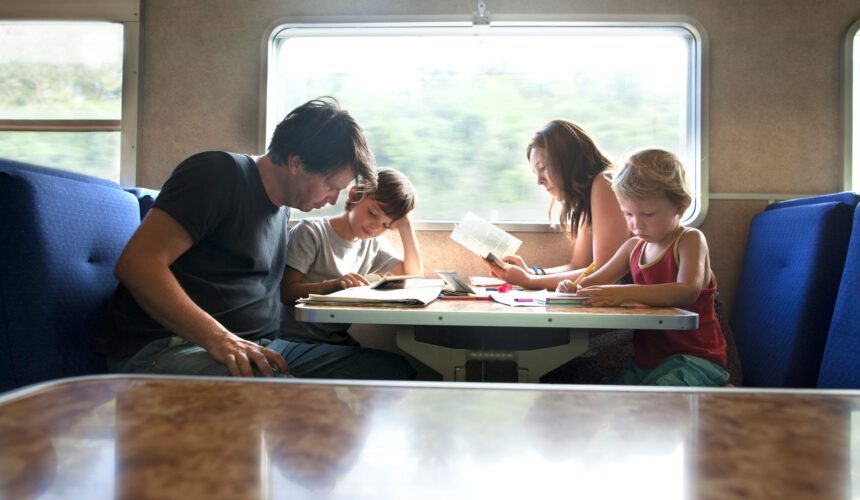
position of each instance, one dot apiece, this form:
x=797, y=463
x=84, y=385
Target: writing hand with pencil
x=568, y=286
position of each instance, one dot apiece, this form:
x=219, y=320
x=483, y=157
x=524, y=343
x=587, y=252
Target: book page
x=483, y=238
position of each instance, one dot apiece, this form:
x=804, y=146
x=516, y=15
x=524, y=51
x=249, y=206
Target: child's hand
x=603, y=295
x=565, y=286
x=350, y=280
x=402, y=224
x=515, y=260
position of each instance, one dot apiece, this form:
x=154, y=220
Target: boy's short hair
x=393, y=192
x=653, y=172
x=326, y=138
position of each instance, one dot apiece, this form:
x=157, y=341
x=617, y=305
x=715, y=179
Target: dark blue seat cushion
x=62, y=236
x=17, y=166
x=846, y=197
x=840, y=367
x=145, y=198
x=787, y=290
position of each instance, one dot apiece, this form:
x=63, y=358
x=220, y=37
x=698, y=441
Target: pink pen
x=523, y=300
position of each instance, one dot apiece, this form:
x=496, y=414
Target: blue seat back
x=846, y=197
x=787, y=289
x=62, y=235
x=840, y=367
x=145, y=198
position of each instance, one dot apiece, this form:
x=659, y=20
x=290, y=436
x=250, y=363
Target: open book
x=391, y=281
x=367, y=296
x=483, y=238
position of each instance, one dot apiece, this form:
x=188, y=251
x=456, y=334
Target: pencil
x=582, y=276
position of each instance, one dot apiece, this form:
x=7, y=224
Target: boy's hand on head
x=403, y=223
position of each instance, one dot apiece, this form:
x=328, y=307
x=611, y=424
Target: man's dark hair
x=326, y=138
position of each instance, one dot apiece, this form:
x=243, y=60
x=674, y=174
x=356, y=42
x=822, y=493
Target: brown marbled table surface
x=159, y=437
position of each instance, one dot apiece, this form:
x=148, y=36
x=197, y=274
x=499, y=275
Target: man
x=199, y=279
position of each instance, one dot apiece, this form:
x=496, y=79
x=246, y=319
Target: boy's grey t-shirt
x=315, y=250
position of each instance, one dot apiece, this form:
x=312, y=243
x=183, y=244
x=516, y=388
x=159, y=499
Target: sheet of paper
x=520, y=299
x=366, y=295
x=486, y=281
x=482, y=238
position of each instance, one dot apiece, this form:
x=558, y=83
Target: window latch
x=481, y=17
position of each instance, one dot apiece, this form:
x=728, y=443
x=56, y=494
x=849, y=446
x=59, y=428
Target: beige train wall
x=774, y=97
x=774, y=82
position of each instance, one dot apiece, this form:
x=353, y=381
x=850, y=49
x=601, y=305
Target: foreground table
x=157, y=437
x=487, y=316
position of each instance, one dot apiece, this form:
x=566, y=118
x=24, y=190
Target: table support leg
x=531, y=364
x=534, y=364
x=451, y=363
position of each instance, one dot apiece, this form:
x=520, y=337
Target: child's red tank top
x=653, y=346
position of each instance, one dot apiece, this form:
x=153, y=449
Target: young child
x=670, y=266
x=332, y=253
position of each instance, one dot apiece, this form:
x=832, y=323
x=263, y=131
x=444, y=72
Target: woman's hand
x=604, y=295
x=565, y=286
x=515, y=260
x=512, y=274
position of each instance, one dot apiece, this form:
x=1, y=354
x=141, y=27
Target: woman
x=572, y=169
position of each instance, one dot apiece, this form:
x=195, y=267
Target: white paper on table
x=526, y=299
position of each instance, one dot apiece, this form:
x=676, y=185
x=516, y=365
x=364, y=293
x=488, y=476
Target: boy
x=333, y=253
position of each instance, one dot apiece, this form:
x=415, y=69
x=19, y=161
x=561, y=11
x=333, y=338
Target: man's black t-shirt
x=234, y=267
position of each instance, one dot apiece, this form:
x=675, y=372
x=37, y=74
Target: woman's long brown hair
x=573, y=160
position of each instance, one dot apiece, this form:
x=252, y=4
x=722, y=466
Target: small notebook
x=457, y=285
x=559, y=298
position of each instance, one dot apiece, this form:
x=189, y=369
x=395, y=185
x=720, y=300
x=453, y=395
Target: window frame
x=851, y=122
x=697, y=118
x=125, y=12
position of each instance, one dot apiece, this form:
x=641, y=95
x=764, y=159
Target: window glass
x=63, y=80
x=91, y=153
x=454, y=108
x=855, y=162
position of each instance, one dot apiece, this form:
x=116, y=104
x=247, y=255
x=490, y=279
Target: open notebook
x=367, y=296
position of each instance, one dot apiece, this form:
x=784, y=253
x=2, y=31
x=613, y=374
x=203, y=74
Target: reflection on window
x=455, y=107
x=61, y=95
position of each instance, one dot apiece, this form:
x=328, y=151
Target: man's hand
x=241, y=356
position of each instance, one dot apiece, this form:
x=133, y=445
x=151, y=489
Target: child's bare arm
x=412, y=261
x=611, y=272
x=692, y=255
x=293, y=288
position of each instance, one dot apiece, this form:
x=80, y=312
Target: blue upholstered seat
x=840, y=367
x=62, y=235
x=145, y=198
x=846, y=197
x=787, y=290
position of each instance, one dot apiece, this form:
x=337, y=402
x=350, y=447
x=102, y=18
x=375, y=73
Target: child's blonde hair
x=653, y=172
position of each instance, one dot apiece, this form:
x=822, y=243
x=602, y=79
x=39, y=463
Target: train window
x=454, y=106
x=852, y=136
x=61, y=97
